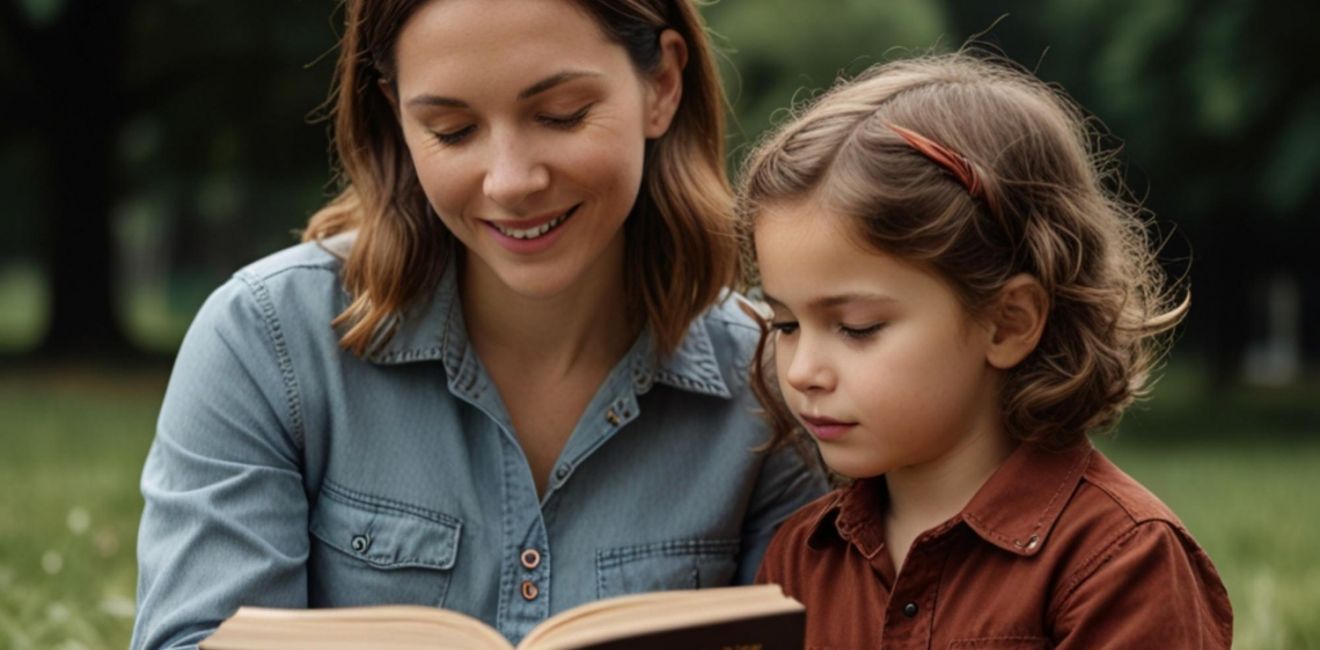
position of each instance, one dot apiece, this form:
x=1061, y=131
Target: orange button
x=529, y=590
x=531, y=558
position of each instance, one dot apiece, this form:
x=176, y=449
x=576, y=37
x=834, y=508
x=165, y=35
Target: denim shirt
x=287, y=472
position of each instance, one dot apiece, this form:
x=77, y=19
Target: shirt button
x=561, y=472
x=613, y=418
x=531, y=558
x=360, y=543
x=910, y=610
x=529, y=590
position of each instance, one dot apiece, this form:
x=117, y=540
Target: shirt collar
x=434, y=330
x=1015, y=509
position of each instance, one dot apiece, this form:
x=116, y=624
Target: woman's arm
x=225, y=521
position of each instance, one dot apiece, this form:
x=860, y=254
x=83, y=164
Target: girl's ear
x=665, y=86
x=1017, y=320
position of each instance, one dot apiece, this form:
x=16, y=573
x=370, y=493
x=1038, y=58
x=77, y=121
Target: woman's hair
x=680, y=244
x=1025, y=188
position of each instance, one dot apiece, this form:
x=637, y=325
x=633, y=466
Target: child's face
x=875, y=356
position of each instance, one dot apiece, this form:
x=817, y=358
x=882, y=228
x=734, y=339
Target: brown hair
x=681, y=248
x=1051, y=205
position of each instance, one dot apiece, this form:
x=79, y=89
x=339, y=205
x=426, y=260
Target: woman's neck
x=585, y=324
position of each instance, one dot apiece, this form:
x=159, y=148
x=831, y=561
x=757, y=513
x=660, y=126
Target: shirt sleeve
x=787, y=482
x=225, y=518
x=1151, y=588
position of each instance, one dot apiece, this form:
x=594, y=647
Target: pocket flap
x=386, y=535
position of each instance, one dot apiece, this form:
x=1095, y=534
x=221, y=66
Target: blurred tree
x=1221, y=120
x=779, y=51
x=189, y=109
x=65, y=66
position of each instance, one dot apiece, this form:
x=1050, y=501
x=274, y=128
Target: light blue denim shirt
x=288, y=473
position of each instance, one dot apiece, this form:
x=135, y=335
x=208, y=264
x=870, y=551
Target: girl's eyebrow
x=834, y=300
x=526, y=93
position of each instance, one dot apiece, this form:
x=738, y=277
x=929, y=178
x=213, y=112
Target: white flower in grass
x=118, y=606
x=52, y=562
x=57, y=612
x=79, y=520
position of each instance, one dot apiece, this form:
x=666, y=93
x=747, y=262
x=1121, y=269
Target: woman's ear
x=665, y=86
x=1017, y=319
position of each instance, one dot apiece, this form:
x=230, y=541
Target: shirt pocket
x=664, y=566
x=369, y=551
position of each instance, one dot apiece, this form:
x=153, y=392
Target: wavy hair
x=681, y=248
x=1053, y=206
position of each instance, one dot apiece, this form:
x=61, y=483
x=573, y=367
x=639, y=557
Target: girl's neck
x=924, y=496
x=585, y=324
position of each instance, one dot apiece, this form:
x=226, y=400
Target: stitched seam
x=292, y=397
x=389, y=504
x=609, y=558
x=1091, y=565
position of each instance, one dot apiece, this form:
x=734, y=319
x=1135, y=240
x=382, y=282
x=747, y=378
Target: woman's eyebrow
x=554, y=80
x=541, y=86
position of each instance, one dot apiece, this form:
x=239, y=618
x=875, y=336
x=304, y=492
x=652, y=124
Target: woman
x=533, y=392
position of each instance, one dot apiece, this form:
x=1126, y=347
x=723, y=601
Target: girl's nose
x=514, y=174
x=808, y=371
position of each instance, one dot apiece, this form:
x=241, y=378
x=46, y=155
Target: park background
x=148, y=148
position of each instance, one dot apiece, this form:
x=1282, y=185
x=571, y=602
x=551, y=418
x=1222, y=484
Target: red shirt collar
x=1015, y=509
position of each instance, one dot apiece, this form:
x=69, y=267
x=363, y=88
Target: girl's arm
x=225, y=521
x=1151, y=588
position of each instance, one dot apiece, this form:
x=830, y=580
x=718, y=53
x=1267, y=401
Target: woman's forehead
x=451, y=46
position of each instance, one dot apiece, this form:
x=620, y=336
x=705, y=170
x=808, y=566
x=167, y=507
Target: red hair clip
x=953, y=162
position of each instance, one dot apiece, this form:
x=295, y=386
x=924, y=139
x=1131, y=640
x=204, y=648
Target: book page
x=402, y=627
x=641, y=613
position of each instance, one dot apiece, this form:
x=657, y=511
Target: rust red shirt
x=1056, y=550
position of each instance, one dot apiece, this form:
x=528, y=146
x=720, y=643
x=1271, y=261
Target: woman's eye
x=860, y=332
x=456, y=136
x=565, y=121
x=784, y=327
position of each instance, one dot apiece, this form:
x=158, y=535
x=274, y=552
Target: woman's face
x=527, y=128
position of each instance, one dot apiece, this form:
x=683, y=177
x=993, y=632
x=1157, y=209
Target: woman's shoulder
x=297, y=285
x=729, y=324
x=312, y=260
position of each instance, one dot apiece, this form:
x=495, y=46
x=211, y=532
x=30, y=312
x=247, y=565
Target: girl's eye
x=860, y=333
x=450, y=138
x=784, y=327
x=565, y=121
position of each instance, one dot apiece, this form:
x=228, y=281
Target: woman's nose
x=514, y=173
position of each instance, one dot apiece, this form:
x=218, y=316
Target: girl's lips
x=826, y=428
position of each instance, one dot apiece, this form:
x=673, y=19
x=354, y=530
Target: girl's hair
x=681, y=248
x=1049, y=204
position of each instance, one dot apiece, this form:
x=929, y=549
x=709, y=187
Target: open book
x=756, y=617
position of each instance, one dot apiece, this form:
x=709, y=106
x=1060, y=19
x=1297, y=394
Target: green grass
x=1238, y=469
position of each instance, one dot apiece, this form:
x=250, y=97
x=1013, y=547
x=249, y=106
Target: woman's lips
x=826, y=428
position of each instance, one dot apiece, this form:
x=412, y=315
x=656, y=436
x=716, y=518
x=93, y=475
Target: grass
x=1238, y=470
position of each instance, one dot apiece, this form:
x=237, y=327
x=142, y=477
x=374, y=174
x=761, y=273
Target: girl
x=957, y=302
x=478, y=381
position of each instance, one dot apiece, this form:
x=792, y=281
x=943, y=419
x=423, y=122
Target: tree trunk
x=76, y=67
